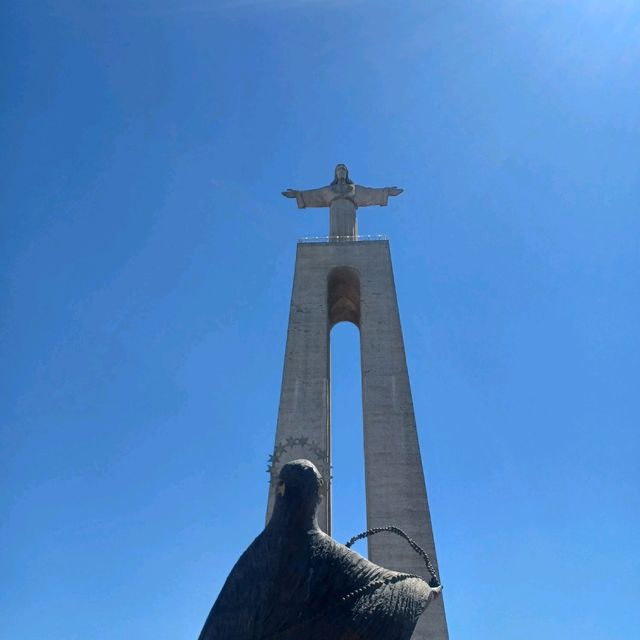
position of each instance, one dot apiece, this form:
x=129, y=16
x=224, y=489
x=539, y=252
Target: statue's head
x=342, y=174
x=298, y=491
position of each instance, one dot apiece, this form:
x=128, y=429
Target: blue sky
x=146, y=268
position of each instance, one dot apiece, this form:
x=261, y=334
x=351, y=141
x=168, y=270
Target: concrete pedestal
x=353, y=281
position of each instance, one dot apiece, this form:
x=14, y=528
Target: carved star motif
x=321, y=455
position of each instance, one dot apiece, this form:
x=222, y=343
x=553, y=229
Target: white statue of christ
x=342, y=197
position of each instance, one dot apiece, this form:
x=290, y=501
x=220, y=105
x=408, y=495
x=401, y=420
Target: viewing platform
x=321, y=239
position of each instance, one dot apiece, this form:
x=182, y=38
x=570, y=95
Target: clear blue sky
x=145, y=273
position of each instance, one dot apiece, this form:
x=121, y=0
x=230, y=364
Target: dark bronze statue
x=294, y=582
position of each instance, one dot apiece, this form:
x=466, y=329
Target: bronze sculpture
x=295, y=582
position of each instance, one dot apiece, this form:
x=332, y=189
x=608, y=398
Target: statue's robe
x=343, y=201
x=295, y=582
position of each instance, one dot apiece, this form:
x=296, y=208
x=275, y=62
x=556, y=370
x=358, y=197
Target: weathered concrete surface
x=353, y=281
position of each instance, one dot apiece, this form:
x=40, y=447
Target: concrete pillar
x=394, y=479
x=304, y=412
x=353, y=281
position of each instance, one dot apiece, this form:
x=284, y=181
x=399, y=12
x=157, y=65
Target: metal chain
x=374, y=584
x=370, y=586
x=434, y=582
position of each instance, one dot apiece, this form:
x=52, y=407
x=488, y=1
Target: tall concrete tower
x=346, y=278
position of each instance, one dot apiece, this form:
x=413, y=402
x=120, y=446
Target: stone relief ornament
x=300, y=444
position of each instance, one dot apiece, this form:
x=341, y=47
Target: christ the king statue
x=342, y=197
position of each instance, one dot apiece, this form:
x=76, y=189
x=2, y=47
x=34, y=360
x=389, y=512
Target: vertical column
x=303, y=415
x=395, y=487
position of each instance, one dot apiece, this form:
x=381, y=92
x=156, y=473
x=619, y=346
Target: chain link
x=434, y=582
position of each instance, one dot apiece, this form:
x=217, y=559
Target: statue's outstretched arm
x=310, y=197
x=369, y=196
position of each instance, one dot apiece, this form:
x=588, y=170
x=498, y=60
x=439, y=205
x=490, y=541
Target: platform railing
x=320, y=239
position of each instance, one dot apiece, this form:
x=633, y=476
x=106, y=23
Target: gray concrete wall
x=395, y=487
x=304, y=410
